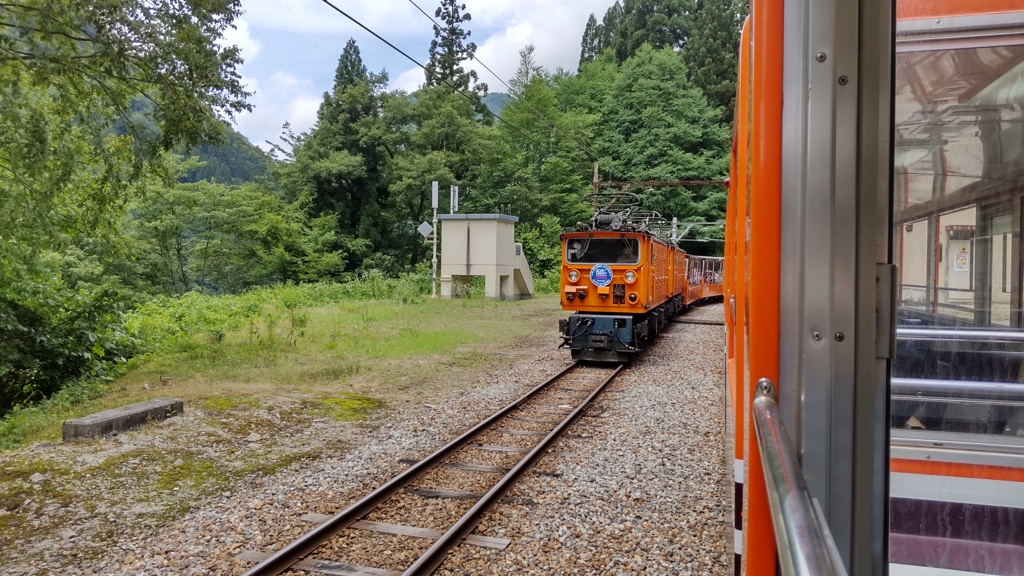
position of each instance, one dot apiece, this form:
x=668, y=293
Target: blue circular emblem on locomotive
x=601, y=275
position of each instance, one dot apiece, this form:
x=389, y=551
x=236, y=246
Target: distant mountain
x=496, y=101
x=233, y=161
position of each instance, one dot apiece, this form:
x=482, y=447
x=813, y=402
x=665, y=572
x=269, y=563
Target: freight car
x=624, y=280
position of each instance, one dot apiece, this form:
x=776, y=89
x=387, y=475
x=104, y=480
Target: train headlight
x=633, y=297
x=574, y=276
x=629, y=276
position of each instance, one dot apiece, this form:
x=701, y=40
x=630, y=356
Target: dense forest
x=121, y=182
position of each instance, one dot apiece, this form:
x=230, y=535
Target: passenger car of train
x=624, y=279
x=875, y=284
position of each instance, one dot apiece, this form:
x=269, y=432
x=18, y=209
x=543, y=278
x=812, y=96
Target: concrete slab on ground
x=123, y=418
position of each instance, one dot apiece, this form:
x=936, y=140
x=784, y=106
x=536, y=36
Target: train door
x=883, y=203
x=956, y=475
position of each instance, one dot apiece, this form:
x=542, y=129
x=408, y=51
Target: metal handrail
x=963, y=335
x=804, y=543
x=957, y=389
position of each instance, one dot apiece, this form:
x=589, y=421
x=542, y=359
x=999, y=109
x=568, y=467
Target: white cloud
x=283, y=79
x=315, y=17
x=410, y=80
x=501, y=28
x=241, y=37
x=284, y=98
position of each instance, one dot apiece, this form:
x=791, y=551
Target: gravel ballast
x=643, y=488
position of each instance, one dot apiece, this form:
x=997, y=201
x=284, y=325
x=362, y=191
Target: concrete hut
x=483, y=245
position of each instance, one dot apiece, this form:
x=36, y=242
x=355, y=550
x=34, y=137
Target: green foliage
x=76, y=145
x=658, y=23
x=233, y=161
x=220, y=238
x=24, y=420
x=192, y=322
x=712, y=51
x=338, y=170
x=659, y=127
x=50, y=335
x=450, y=48
x=588, y=45
x=543, y=247
x=71, y=71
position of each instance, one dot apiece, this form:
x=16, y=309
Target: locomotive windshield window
x=602, y=251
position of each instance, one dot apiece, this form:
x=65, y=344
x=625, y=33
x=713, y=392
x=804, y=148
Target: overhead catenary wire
x=479, y=61
x=582, y=147
x=455, y=88
x=414, y=61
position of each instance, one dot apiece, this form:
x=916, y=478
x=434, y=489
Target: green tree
x=657, y=126
x=340, y=167
x=440, y=139
x=609, y=27
x=588, y=44
x=223, y=239
x=449, y=49
x=659, y=23
x=528, y=70
x=75, y=147
x=71, y=70
x=540, y=157
x=712, y=51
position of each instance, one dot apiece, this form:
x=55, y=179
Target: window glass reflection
x=957, y=410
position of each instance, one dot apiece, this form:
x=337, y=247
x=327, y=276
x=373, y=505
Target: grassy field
x=345, y=357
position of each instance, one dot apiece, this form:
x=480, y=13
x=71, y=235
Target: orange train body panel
x=651, y=285
x=956, y=469
x=920, y=9
x=753, y=244
x=753, y=256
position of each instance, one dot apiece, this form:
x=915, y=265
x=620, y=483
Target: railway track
x=525, y=428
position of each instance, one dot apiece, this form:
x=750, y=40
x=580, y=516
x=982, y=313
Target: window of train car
x=603, y=251
x=957, y=406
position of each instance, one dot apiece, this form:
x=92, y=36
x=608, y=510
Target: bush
x=50, y=336
x=177, y=324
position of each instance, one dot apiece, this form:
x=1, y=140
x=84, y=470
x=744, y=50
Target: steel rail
x=284, y=558
x=436, y=554
x=804, y=543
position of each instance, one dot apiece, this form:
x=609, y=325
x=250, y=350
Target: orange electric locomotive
x=624, y=278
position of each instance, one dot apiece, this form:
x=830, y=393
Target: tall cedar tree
x=711, y=54
x=449, y=49
x=609, y=27
x=588, y=45
x=659, y=23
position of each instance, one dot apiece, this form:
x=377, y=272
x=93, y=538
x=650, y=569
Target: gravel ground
x=643, y=488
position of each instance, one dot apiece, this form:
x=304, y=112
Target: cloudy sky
x=291, y=47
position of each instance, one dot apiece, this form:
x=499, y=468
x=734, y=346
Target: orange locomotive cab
x=621, y=287
x=620, y=280
x=604, y=272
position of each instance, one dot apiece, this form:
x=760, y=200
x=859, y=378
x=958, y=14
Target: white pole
x=433, y=260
